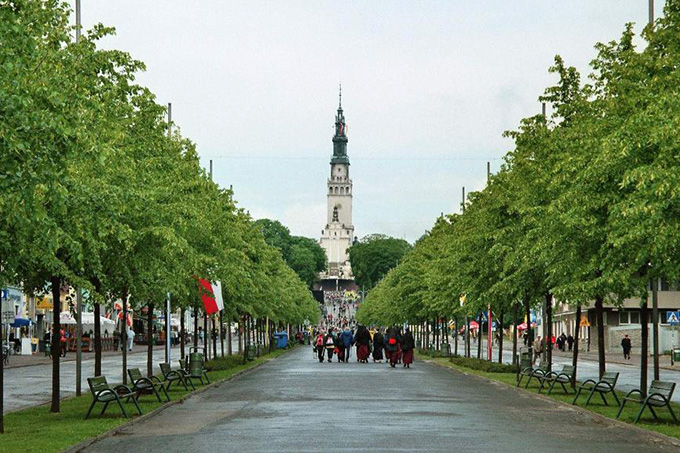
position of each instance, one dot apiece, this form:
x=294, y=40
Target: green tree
x=373, y=256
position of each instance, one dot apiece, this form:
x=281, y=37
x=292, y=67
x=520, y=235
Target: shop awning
x=21, y=322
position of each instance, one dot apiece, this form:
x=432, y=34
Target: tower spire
x=340, y=103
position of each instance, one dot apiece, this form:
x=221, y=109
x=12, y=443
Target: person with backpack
x=318, y=346
x=407, y=345
x=392, y=346
x=346, y=340
x=329, y=344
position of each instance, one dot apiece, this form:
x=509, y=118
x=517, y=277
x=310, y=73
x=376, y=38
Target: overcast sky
x=428, y=89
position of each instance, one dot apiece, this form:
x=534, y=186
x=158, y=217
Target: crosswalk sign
x=673, y=318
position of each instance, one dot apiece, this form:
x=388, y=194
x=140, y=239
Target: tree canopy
x=373, y=256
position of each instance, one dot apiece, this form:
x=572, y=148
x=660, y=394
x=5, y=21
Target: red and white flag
x=211, y=294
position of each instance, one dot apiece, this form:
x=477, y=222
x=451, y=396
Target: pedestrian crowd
x=392, y=345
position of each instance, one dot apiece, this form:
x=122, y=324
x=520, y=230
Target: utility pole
x=79, y=300
x=488, y=317
x=655, y=280
x=467, y=318
x=167, y=300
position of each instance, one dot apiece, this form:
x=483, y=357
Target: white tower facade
x=338, y=234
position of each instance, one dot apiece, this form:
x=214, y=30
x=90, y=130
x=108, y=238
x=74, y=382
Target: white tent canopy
x=88, y=320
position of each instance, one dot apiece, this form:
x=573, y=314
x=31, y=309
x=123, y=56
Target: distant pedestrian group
x=393, y=346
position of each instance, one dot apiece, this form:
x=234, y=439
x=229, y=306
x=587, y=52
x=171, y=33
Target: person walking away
x=130, y=338
x=393, y=339
x=329, y=344
x=63, y=342
x=570, y=342
x=378, y=346
x=407, y=345
x=346, y=340
x=538, y=348
x=362, y=340
x=627, y=346
x=340, y=348
x=319, y=346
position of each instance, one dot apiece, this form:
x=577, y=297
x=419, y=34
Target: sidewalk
x=590, y=356
x=19, y=361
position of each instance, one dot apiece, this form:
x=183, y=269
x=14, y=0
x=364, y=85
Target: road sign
x=673, y=318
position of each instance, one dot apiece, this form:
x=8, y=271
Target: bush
x=483, y=365
x=225, y=363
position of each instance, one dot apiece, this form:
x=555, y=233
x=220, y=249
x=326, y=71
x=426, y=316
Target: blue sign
x=673, y=318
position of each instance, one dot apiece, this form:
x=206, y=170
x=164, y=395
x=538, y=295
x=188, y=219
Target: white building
x=338, y=234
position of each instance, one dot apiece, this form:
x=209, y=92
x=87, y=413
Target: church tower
x=338, y=234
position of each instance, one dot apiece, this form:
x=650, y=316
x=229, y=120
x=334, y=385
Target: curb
x=88, y=442
x=653, y=436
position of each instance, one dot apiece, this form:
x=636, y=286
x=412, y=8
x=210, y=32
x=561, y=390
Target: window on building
x=635, y=317
x=665, y=286
x=624, y=317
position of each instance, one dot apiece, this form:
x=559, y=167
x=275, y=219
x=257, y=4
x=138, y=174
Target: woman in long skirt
x=407, y=346
x=378, y=346
x=362, y=339
x=392, y=346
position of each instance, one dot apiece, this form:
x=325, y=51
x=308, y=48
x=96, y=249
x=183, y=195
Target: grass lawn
x=37, y=430
x=665, y=426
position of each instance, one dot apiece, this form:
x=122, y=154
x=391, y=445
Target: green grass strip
x=37, y=430
x=664, y=426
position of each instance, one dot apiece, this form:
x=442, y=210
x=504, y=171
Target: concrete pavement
x=297, y=404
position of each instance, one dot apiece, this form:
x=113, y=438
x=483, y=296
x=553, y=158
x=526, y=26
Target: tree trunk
x=229, y=338
x=149, y=340
x=515, y=321
x=549, y=334
x=600, y=334
x=195, y=329
x=530, y=331
x=56, y=341
x=213, y=334
x=644, y=346
x=455, y=337
x=499, y=331
x=123, y=336
x=240, y=330
x=182, y=333
x=222, y=333
x=655, y=327
x=97, y=340
x=467, y=336
x=479, y=337
x=577, y=331
x=206, y=337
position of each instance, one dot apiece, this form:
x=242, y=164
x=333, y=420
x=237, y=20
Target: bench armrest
x=144, y=379
x=611, y=387
x=122, y=387
x=155, y=379
x=633, y=391
x=588, y=381
x=104, y=392
x=657, y=395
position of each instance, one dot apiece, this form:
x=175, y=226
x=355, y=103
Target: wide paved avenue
x=297, y=404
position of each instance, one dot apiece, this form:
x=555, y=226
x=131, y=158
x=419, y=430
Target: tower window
x=336, y=190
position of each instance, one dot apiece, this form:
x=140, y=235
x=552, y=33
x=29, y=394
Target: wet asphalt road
x=297, y=404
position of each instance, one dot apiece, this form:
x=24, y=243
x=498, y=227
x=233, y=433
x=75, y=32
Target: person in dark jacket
x=362, y=340
x=392, y=345
x=346, y=340
x=627, y=346
x=407, y=345
x=378, y=346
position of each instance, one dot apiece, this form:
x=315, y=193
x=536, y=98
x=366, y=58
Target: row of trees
x=304, y=255
x=96, y=192
x=585, y=209
x=373, y=256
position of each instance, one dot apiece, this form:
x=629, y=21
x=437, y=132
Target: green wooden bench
x=102, y=392
x=605, y=385
x=170, y=376
x=141, y=384
x=659, y=395
x=563, y=377
x=532, y=372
